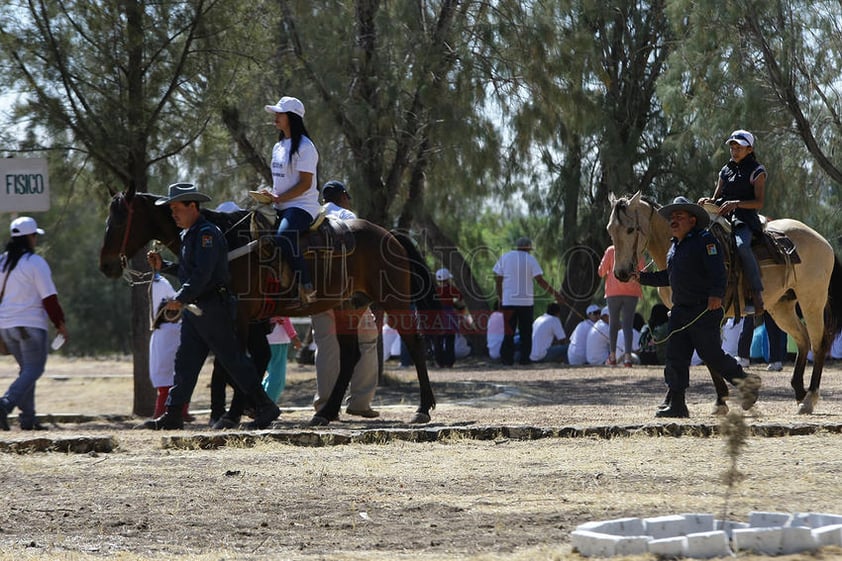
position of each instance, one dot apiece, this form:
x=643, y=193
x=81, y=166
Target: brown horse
x=815, y=284
x=384, y=269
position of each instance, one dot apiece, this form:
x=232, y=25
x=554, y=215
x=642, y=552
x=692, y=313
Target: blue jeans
x=750, y=268
x=293, y=221
x=29, y=347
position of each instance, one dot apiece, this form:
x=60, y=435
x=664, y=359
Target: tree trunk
x=144, y=393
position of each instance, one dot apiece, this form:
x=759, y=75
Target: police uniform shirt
x=203, y=267
x=695, y=270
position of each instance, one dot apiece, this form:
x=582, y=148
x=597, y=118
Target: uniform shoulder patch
x=711, y=249
x=207, y=240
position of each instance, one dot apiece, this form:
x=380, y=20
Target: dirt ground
x=457, y=497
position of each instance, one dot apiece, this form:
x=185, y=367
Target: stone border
x=701, y=536
x=340, y=436
x=382, y=435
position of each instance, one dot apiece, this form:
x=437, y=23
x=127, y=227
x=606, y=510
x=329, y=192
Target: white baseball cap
x=443, y=275
x=24, y=226
x=741, y=137
x=591, y=309
x=287, y=104
x=604, y=311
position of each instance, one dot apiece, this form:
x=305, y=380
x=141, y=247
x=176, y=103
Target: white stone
x=594, y=544
x=632, y=545
x=797, y=539
x=818, y=519
x=760, y=540
x=769, y=519
x=708, y=544
x=696, y=522
x=729, y=526
x=669, y=547
x=665, y=526
x=828, y=535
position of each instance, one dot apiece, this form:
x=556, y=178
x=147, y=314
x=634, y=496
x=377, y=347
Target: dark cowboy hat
x=685, y=204
x=183, y=192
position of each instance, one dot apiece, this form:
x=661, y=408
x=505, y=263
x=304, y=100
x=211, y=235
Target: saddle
x=770, y=247
x=329, y=241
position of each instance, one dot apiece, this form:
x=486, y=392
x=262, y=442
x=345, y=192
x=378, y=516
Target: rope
x=680, y=329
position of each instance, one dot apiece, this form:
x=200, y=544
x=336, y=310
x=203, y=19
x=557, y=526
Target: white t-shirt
x=518, y=269
x=391, y=341
x=731, y=336
x=598, y=347
x=545, y=330
x=577, y=351
x=494, y=334
x=333, y=210
x=161, y=290
x=285, y=174
x=29, y=283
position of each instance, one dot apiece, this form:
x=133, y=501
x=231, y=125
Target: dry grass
x=456, y=499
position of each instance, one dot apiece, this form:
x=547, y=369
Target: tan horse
x=815, y=284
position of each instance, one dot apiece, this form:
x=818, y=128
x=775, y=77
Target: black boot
x=265, y=410
x=677, y=407
x=4, y=415
x=171, y=420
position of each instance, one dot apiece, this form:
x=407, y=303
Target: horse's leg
x=820, y=341
x=720, y=407
x=417, y=350
x=349, y=354
x=783, y=312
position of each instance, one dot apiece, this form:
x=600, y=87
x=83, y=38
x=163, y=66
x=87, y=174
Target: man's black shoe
x=676, y=410
x=170, y=420
x=263, y=416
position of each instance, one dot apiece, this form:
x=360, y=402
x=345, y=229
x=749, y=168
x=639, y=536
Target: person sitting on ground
x=495, y=332
x=549, y=341
x=577, y=349
x=598, y=346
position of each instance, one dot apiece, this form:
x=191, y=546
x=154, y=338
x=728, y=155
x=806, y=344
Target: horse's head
x=628, y=227
x=133, y=221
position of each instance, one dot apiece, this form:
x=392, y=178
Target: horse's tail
x=834, y=300
x=421, y=278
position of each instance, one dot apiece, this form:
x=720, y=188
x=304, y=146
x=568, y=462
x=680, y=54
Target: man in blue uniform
x=696, y=274
x=203, y=272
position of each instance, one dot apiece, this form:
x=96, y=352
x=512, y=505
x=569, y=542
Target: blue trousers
x=703, y=336
x=29, y=347
x=213, y=331
x=294, y=221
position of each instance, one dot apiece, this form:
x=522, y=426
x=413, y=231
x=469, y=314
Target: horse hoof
x=720, y=410
x=807, y=406
x=419, y=418
x=318, y=421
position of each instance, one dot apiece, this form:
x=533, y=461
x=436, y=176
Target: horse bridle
x=124, y=261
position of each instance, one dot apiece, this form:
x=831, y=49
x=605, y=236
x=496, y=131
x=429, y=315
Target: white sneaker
x=775, y=367
x=744, y=362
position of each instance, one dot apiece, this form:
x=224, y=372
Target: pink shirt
x=614, y=287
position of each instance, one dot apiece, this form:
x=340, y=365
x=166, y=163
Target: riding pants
x=294, y=221
x=751, y=269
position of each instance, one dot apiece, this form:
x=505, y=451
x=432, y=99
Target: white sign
x=24, y=185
